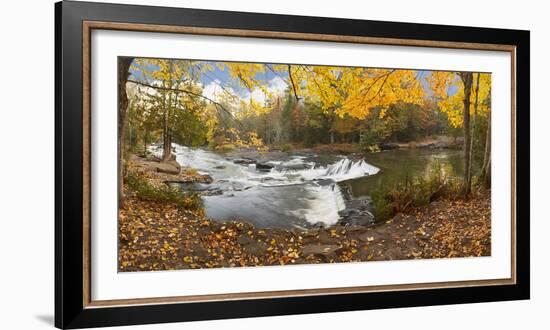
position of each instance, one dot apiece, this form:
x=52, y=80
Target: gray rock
x=324, y=182
x=168, y=167
x=244, y=161
x=245, y=240
x=319, y=249
x=264, y=167
x=255, y=248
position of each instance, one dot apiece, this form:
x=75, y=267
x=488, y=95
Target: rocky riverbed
x=277, y=189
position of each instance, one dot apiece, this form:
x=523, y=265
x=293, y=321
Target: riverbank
x=162, y=236
x=158, y=173
x=433, y=142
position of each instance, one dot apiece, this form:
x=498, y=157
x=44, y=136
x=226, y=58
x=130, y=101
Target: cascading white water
x=347, y=169
x=324, y=207
x=296, y=193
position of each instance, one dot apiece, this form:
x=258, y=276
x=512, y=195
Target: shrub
x=286, y=147
x=415, y=192
x=138, y=185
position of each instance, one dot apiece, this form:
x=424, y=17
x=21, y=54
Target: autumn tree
x=460, y=97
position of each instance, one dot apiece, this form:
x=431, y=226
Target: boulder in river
x=244, y=161
x=264, y=167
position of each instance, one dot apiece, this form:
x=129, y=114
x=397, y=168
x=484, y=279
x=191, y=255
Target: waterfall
x=324, y=207
x=338, y=198
x=347, y=169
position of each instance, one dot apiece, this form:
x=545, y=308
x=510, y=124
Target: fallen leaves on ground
x=161, y=236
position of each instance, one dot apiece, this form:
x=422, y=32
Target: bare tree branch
x=385, y=75
x=274, y=72
x=177, y=90
x=292, y=82
x=382, y=85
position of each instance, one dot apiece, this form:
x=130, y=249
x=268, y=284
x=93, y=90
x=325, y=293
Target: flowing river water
x=287, y=190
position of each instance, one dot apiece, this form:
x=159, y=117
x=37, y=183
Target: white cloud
x=275, y=86
x=212, y=90
x=257, y=95
x=278, y=86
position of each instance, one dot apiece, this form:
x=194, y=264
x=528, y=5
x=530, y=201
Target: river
x=302, y=190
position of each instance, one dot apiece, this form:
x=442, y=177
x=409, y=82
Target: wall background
x=27, y=163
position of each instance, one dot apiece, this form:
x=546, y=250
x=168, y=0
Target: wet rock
x=357, y=211
x=244, y=161
x=270, y=179
x=203, y=189
x=297, y=167
x=212, y=192
x=264, y=167
x=324, y=182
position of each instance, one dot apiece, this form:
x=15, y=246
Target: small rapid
x=290, y=191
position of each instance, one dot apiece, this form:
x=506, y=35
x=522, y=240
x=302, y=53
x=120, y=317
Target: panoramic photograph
x=239, y=164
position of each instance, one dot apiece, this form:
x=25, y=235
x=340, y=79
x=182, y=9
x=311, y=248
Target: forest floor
x=162, y=236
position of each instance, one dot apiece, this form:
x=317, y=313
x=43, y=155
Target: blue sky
x=224, y=77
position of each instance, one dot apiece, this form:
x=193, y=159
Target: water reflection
x=398, y=165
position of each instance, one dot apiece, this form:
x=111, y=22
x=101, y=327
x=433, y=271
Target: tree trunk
x=145, y=141
x=331, y=137
x=485, y=177
x=167, y=146
x=166, y=143
x=467, y=78
x=474, y=121
x=167, y=138
x=123, y=74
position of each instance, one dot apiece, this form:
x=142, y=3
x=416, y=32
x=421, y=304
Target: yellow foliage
x=448, y=89
x=370, y=88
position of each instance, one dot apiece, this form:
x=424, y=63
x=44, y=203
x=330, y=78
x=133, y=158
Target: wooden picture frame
x=74, y=307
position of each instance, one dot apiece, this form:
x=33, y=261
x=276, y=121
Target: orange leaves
x=370, y=88
x=160, y=236
x=355, y=92
x=461, y=229
x=345, y=91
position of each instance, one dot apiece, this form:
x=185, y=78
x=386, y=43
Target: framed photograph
x=218, y=164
